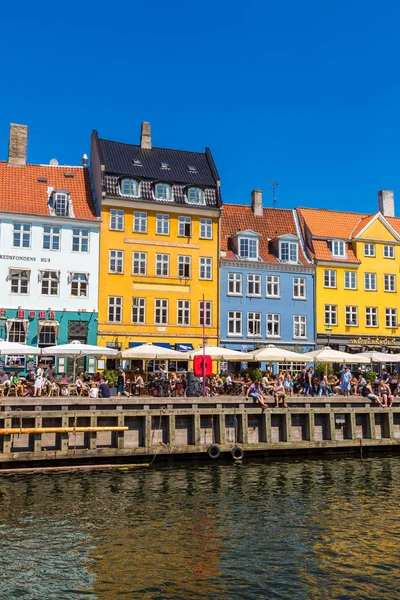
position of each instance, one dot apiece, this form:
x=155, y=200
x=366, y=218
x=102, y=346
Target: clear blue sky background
x=305, y=93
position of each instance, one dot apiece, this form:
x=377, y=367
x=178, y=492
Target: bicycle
x=195, y=389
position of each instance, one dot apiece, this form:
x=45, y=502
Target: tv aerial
x=272, y=187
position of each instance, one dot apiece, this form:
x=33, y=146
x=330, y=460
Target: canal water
x=285, y=529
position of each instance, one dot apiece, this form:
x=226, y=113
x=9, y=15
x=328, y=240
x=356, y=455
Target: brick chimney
x=17, y=144
x=145, y=136
x=386, y=202
x=256, y=202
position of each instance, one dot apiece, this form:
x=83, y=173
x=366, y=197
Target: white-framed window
x=115, y=309
x=248, y=248
x=351, y=316
x=47, y=336
x=254, y=324
x=329, y=278
x=273, y=325
x=299, y=288
x=289, y=252
x=369, y=249
x=79, y=285
x=139, y=311
x=139, y=222
x=50, y=281
x=253, y=285
x=350, y=280
x=234, y=323
x=389, y=280
x=51, y=237
x=117, y=217
x=139, y=263
x=116, y=261
x=370, y=282
x=163, y=191
x=19, y=281
x=161, y=311
x=162, y=224
x=21, y=235
x=205, y=267
x=206, y=229
x=330, y=313
x=129, y=187
x=61, y=204
x=205, y=313
x=183, y=312
x=338, y=248
x=391, y=317
x=299, y=326
x=162, y=265
x=388, y=251
x=184, y=226
x=273, y=286
x=235, y=282
x=371, y=316
x=80, y=240
x=184, y=266
x=195, y=195
x=17, y=332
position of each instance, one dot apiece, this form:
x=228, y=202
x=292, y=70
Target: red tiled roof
x=273, y=223
x=21, y=192
x=322, y=252
x=329, y=224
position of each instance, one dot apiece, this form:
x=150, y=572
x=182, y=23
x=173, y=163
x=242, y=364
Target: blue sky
x=305, y=93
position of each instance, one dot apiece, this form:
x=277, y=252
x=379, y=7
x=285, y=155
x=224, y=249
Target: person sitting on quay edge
x=361, y=382
x=254, y=391
x=104, y=390
x=279, y=392
x=367, y=392
x=385, y=394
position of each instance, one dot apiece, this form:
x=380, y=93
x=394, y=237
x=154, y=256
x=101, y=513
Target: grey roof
x=118, y=160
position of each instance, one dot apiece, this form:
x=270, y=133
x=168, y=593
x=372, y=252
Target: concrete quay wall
x=177, y=428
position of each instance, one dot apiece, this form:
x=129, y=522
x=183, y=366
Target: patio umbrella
x=76, y=349
x=271, y=354
x=218, y=353
x=151, y=351
x=327, y=355
x=379, y=357
x=13, y=348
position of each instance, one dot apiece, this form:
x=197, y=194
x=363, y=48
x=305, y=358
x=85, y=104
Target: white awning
x=10, y=322
x=49, y=323
x=42, y=273
x=73, y=273
x=16, y=271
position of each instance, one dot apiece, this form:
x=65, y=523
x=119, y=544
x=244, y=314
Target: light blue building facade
x=267, y=282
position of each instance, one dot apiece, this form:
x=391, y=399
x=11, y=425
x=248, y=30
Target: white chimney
x=17, y=145
x=145, y=136
x=386, y=202
x=256, y=202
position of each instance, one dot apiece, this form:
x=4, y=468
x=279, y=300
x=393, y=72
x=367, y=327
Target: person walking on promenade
x=308, y=386
x=121, y=382
x=323, y=385
x=345, y=382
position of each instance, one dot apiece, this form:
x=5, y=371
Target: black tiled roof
x=118, y=160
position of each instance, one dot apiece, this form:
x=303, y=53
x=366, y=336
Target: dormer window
x=248, y=248
x=195, y=195
x=163, y=191
x=338, y=248
x=288, y=252
x=61, y=204
x=129, y=187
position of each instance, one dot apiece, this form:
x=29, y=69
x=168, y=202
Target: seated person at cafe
x=3, y=377
x=104, y=390
x=138, y=383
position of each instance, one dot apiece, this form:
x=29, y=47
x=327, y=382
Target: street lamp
x=328, y=333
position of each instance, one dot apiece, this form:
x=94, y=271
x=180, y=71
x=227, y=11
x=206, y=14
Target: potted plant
x=111, y=376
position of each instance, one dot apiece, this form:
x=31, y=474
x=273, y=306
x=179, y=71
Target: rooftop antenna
x=272, y=187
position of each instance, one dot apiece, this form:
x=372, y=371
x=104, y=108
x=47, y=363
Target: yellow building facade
x=159, y=246
x=357, y=296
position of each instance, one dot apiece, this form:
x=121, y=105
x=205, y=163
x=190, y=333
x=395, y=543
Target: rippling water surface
x=304, y=529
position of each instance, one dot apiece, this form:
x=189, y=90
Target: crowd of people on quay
x=306, y=382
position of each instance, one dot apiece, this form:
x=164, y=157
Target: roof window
x=163, y=191
x=42, y=179
x=61, y=203
x=137, y=162
x=338, y=248
x=195, y=195
x=192, y=169
x=164, y=165
x=129, y=187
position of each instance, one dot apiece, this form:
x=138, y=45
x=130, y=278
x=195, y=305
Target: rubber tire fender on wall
x=237, y=453
x=213, y=451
